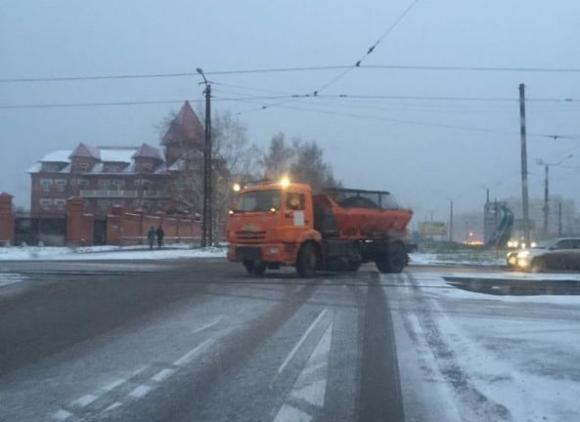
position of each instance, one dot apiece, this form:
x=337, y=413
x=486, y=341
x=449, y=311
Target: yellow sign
x=433, y=228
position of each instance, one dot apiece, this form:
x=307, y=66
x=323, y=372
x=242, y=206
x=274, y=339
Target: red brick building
x=134, y=177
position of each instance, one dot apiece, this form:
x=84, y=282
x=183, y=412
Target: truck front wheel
x=306, y=261
x=254, y=268
x=393, y=260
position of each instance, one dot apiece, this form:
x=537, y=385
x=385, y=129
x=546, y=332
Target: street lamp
x=207, y=218
x=547, y=187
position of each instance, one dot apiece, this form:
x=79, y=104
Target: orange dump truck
x=284, y=224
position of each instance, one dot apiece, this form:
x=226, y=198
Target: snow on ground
x=178, y=251
x=511, y=358
x=485, y=258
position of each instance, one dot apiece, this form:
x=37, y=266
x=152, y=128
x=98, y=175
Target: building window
x=60, y=185
x=59, y=204
x=46, y=204
x=104, y=183
x=84, y=166
x=117, y=184
x=45, y=184
x=83, y=183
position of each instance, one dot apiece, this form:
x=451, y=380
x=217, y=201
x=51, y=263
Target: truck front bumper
x=275, y=253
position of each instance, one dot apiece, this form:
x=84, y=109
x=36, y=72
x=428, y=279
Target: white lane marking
x=289, y=413
x=114, y=384
x=189, y=355
x=140, y=391
x=302, y=339
x=62, y=415
x=10, y=278
x=306, y=390
x=312, y=393
x=85, y=400
x=138, y=371
x=113, y=406
x=163, y=375
x=211, y=324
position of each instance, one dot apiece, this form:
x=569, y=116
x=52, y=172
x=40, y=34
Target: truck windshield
x=258, y=201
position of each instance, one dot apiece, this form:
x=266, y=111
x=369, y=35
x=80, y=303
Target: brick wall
x=6, y=220
x=79, y=225
x=131, y=227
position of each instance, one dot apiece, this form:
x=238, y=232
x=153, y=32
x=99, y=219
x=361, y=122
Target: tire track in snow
x=472, y=399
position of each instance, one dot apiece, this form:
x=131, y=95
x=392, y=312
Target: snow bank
x=486, y=259
x=107, y=253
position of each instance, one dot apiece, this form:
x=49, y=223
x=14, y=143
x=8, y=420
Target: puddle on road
x=511, y=287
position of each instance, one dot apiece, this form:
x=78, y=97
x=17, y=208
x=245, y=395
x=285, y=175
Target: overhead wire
x=369, y=51
x=290, y=69
x=413, y=122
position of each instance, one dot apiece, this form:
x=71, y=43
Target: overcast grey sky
x=422, y=165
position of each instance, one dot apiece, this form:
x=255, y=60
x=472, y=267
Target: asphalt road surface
x=201, y=341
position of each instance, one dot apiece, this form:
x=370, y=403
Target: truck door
x=297, y=213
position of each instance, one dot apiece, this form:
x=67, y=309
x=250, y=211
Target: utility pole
x=451, y=220
x=524, y=164
x=546, y=198
x=207, y=218
x=547, y=189
x=560, y=219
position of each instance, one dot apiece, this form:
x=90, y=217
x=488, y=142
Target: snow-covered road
x=185, y=340
x=467, y=356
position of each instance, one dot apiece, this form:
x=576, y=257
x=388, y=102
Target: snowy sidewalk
x=139, y=252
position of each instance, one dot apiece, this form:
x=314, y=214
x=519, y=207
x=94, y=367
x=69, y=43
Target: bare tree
x=278, y=158
x=235, y=160
x=303, y=161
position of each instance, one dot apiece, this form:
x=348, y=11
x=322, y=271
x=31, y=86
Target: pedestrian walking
x=151, y=237
x=160, y=235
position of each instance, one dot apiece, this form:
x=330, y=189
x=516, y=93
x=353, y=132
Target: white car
x=560, y=254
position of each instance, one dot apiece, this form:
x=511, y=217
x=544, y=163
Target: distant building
x=133, y=177
x=562, y=216
x=468, y=227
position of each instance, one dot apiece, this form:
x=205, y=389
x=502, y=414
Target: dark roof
x=184, y=127
x=86, y=151
x=147, y=151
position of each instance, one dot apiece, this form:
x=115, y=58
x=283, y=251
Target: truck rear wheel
x=254, y=268
x=306, y=261
x=394, y=260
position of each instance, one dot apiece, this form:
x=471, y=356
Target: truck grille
x=250, y=237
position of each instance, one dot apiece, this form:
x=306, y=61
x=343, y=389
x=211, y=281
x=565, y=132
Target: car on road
x=561, y=255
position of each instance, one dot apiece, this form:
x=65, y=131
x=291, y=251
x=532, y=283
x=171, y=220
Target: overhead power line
x=255, y=99
x=406, y=121
x=370, y=50
x=72, y=78
x=291, y=97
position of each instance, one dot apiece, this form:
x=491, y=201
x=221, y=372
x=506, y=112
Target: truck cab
x=267, y=224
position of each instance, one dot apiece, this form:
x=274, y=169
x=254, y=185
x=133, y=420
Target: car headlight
x=523, y=254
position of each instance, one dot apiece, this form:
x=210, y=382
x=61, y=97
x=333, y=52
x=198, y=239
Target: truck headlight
x=274, y=250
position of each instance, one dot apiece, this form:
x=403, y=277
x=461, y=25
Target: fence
x=131, y=227
x=120, y=227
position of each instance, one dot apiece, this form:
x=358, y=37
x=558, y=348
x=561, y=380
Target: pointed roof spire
x=184, y=127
